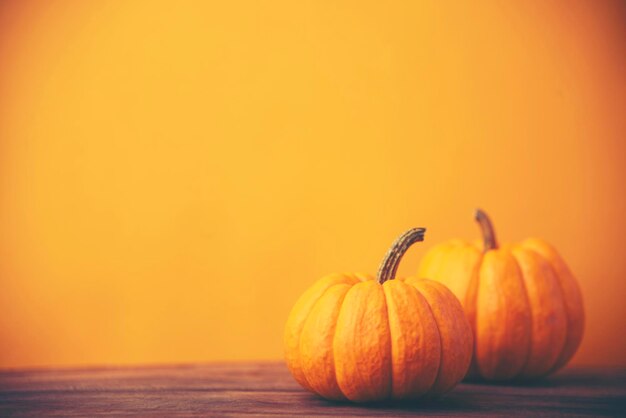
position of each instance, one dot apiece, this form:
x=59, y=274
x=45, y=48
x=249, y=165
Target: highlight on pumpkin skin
x=523, y=303
x=363, y=339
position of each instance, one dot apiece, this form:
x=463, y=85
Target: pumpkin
x=350, y=337
x=522, y=301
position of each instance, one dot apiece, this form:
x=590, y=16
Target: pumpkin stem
x=489, y=233
x=389, y=266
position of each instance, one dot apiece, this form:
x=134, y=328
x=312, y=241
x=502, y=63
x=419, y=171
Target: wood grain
x=267, y=389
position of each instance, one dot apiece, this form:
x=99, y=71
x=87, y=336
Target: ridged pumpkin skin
x=522, y=301
x=349, y=337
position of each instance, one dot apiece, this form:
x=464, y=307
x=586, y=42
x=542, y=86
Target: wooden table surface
x=266, y=389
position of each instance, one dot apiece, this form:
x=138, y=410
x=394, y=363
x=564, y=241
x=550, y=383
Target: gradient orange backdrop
x=174, y=174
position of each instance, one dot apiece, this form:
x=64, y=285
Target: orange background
x=174, y=175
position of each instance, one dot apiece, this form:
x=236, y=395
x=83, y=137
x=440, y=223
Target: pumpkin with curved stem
x=350, y=337
x=522, y=301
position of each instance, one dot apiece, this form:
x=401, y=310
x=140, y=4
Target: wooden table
x=266, y=389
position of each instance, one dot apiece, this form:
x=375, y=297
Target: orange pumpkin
x=522, y=301
x=352, y=337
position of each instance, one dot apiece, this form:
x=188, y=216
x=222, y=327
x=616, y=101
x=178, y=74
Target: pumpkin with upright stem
x=522, y=301
x=353, y=337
